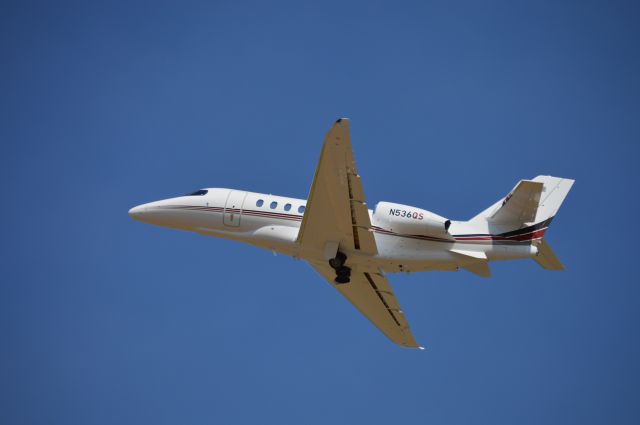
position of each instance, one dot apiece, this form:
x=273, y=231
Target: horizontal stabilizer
x=480, y=268
x=473, y=261
x=554, y=193
x=546, y=258
x=478, y=255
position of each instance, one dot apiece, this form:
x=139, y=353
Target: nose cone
x=162, y=213
x=137, y=213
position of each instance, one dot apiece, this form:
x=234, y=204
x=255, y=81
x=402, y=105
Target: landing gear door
x=233, y=208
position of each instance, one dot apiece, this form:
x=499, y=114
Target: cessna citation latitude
x=352, y=246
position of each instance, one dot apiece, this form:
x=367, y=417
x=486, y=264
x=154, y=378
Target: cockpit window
x=198, y=193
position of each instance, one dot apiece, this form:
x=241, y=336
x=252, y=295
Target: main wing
x=336, y=210
x=337, y=216
x=372, y=295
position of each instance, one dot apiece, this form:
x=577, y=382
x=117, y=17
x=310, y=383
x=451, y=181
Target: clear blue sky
x=105, y=105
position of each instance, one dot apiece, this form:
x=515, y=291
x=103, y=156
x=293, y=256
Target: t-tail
x=529, y=209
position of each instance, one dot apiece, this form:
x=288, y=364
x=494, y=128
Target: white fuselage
x=273, y=222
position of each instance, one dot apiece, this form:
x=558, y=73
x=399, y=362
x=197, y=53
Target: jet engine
x=410, y=220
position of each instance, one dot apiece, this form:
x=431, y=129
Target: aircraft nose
x=137, y=212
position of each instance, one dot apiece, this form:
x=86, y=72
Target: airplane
x=352, y=247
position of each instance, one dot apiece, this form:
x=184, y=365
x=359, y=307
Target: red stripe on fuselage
x=292, y=217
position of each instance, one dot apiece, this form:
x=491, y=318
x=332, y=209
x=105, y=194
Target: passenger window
x=287, y=207
x=259, y=203
x=273, y=205
x=301, y=209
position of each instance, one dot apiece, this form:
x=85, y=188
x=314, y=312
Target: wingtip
x=339, y=120
x=420, y=348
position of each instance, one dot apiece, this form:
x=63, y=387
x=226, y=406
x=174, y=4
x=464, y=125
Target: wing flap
x=356, y=191
x=366, y=241
x=360, y=214
x=383, y=289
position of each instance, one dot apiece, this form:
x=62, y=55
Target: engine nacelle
x=410, y=220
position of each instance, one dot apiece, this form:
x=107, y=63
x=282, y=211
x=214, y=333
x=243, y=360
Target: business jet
x=353, y=247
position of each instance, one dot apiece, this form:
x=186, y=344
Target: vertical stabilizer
x=530, y=201
x=525, y=213
x=553, y=194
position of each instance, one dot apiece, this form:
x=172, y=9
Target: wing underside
x=371, y=293
x=337, y=218
x=336, y=209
